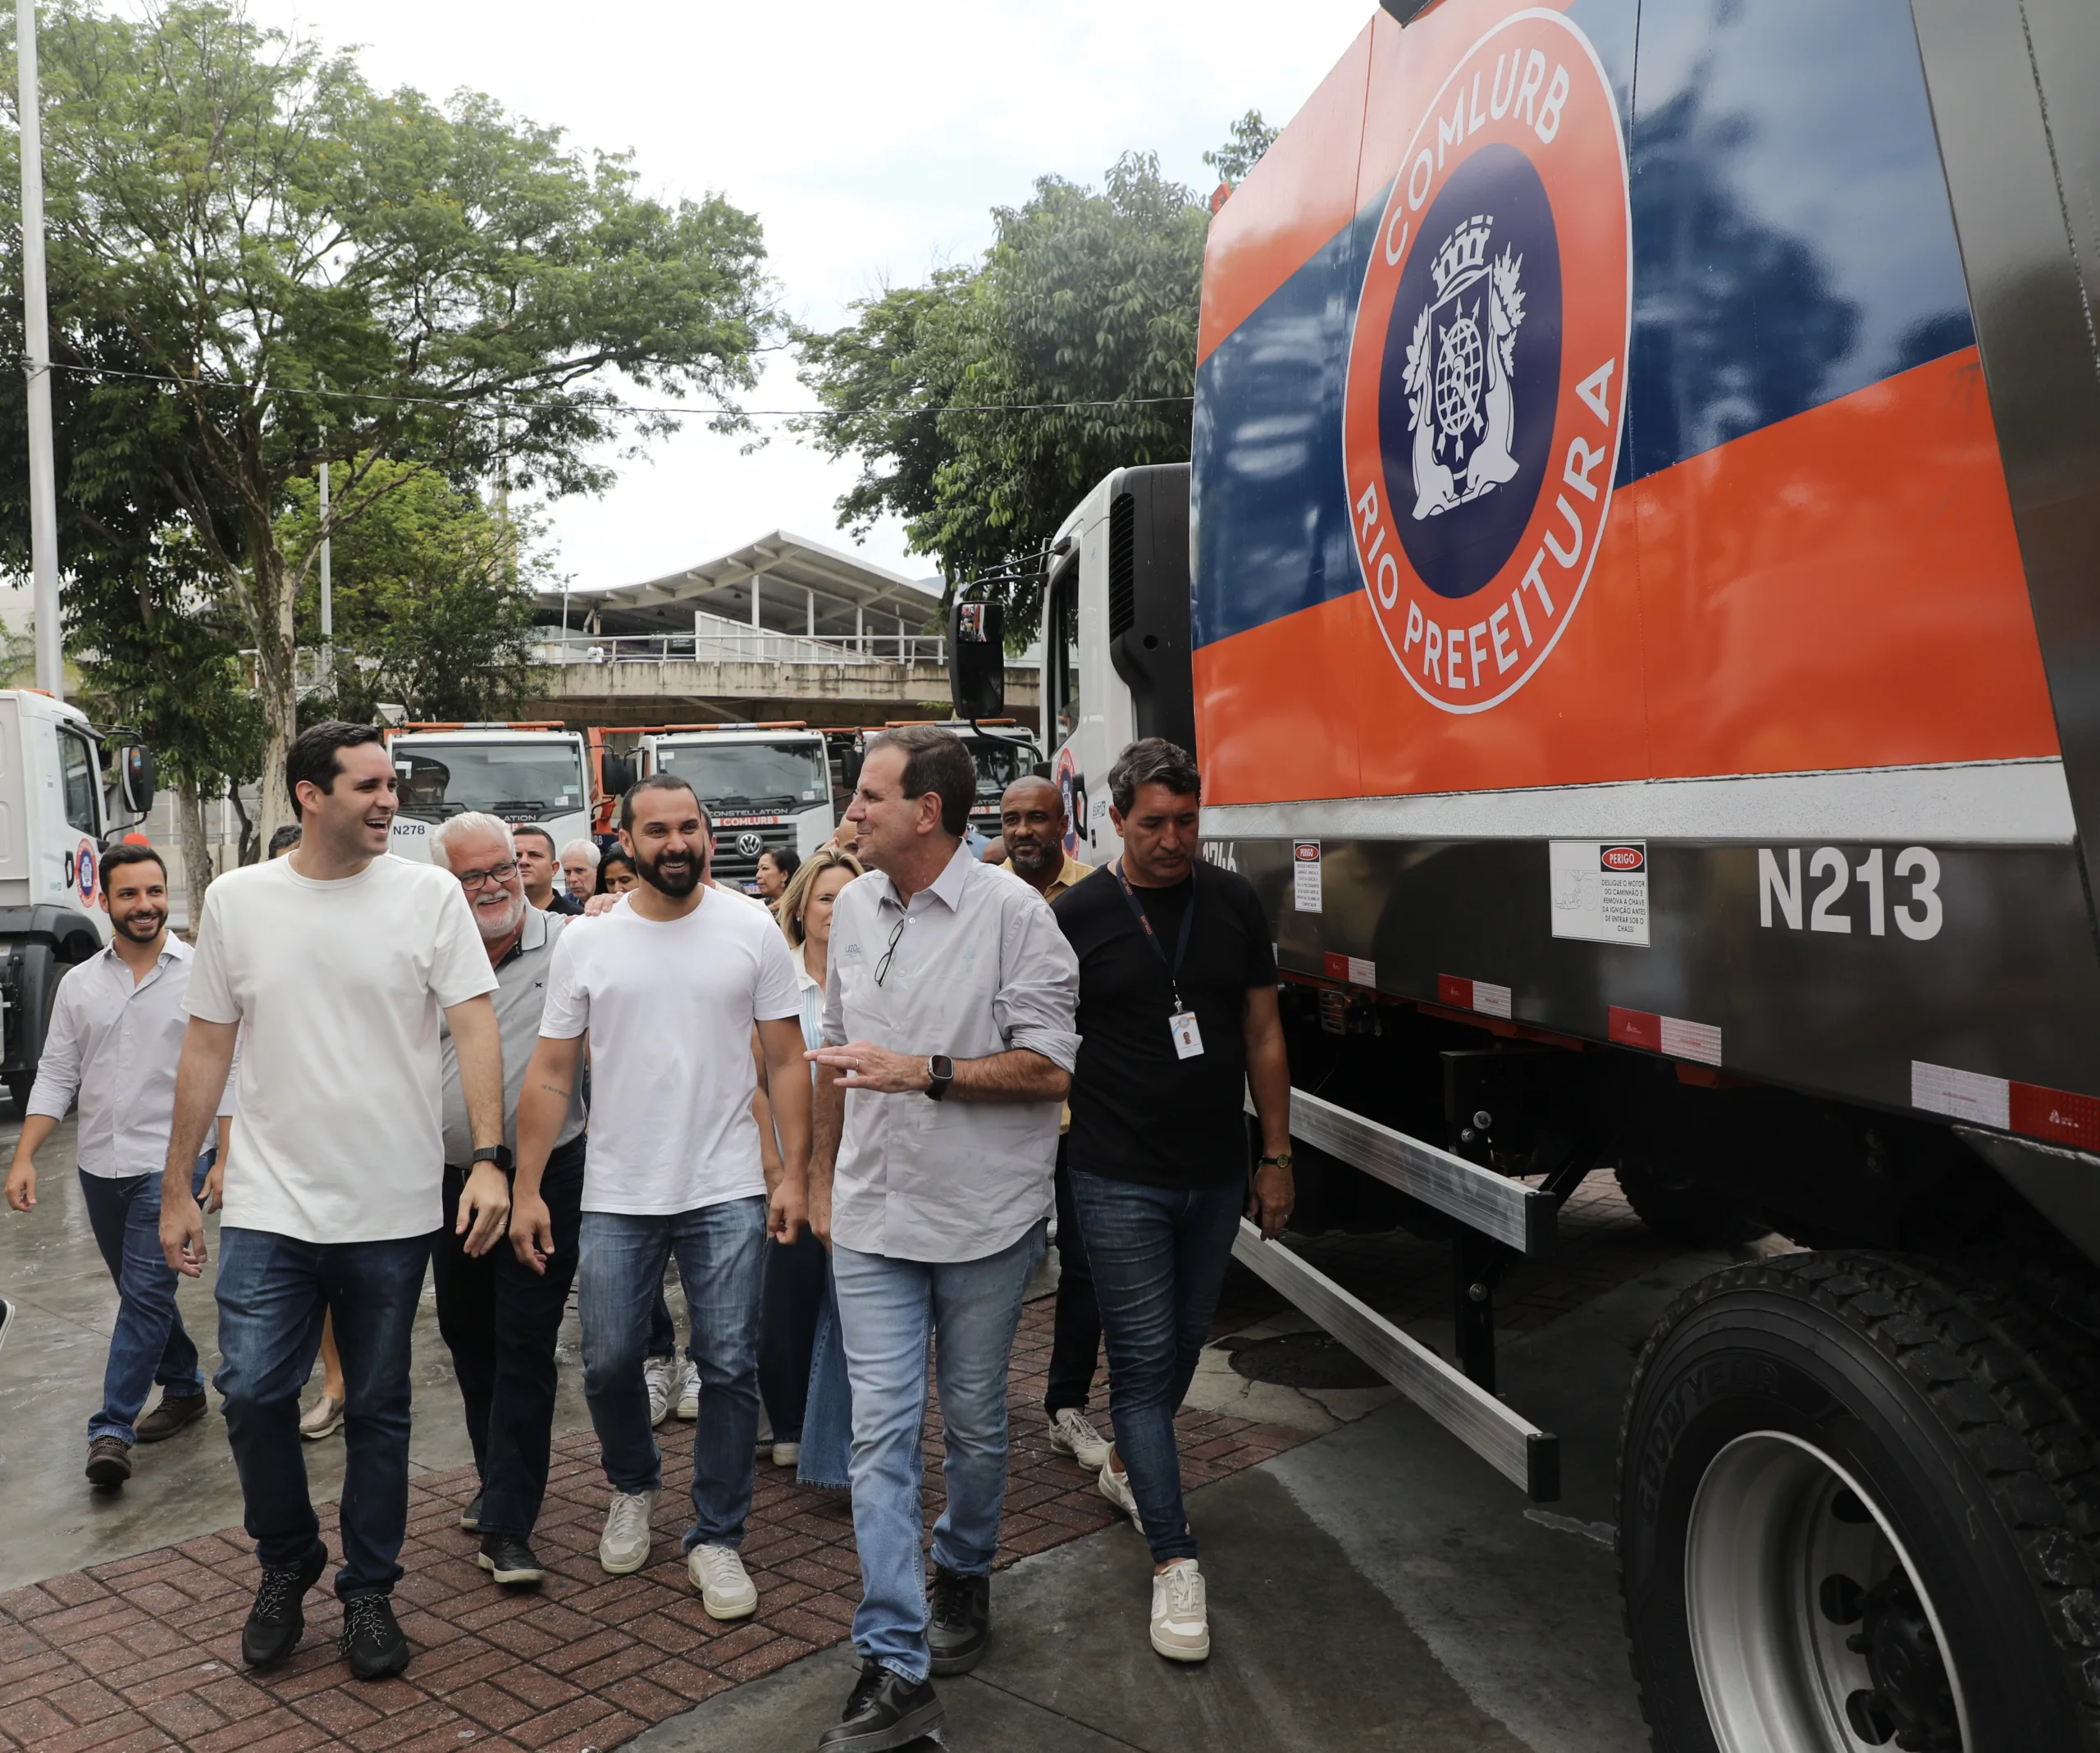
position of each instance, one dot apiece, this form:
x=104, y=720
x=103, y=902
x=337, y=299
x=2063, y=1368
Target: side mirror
x=850, y=764
x=618, y=773
x=977, y=660
x=137, y=782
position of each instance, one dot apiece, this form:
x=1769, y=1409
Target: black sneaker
x=509, y=1560
x=885, y=1710
x=372, y=1641
x=960, y=1620
x=276, y=1622
x=470, y=1517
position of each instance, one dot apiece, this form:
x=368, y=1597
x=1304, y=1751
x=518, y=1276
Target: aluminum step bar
x=1514, y=1446
x=1519, y=1217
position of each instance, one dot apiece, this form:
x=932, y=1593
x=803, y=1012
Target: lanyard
x=1144, y=924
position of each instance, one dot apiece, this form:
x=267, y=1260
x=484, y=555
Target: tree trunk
x=197, y=870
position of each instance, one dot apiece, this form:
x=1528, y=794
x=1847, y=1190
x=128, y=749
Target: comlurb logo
x=1486, y=375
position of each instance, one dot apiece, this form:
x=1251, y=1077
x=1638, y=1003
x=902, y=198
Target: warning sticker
x=1305, y=861
x=1600, y=891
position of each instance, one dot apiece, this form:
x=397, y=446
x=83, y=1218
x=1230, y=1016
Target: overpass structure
x=783, y=628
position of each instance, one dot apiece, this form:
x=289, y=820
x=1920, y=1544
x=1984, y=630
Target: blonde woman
x=802, y=1368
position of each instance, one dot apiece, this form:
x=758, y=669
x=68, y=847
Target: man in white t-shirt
x=339, y=960
x=679, y=989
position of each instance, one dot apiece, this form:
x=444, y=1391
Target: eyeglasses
x=881, y=967
x=471, y=880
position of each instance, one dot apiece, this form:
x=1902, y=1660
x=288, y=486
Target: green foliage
x=234, y=207
x=432, y=600
x=1243, y=149
x=1089, y=296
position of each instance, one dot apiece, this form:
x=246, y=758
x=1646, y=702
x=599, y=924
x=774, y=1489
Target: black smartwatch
x=498, y=1154
x=940, y=1073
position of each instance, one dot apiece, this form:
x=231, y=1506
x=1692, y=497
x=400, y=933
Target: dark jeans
x=272, y=1292
x=149, y=1344
x=797, y=1275
x=500, y=1319
x=1159, y=1259
x=1076, y=1327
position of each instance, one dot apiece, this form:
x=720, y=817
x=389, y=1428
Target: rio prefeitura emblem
x=1487, y=390
x=1461, y=372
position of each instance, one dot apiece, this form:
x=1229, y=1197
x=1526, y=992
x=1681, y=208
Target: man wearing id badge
x=1177, y=1019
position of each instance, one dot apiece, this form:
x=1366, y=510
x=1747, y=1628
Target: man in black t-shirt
x=1177, y=1017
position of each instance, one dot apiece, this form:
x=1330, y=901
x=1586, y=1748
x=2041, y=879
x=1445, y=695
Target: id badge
x=1188, y=1038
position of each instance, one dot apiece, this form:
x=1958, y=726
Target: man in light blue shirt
x=116, y=1037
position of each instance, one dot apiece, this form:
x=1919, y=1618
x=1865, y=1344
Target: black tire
x=1694, y=1216
x=1964, y=1418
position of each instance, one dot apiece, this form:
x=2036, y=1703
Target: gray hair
x=469, y=822
x=588, y=848
x=934, y=761
x=1153, y=761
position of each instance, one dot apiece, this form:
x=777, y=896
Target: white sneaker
x=624, y=1548
x=1071, y=1433
x=726, y=1590
x=787, y=1454
x=688, y=1406
x=1180, y=1629
x=656, y=1376
x=1116, y=1487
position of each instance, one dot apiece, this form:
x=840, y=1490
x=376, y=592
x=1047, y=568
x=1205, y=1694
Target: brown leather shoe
x=109, y=1461
x=174, y=1412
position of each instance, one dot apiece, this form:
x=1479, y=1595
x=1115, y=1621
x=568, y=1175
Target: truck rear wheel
x=1858, y=1505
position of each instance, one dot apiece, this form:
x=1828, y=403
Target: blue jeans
x=889, y=1312
x=149, y=1344
x=828, y=1411
x=1159, y=1258
x=273, y=1291
x=619, y=1273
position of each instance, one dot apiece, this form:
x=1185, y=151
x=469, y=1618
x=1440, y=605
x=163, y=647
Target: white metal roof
x=801, y=587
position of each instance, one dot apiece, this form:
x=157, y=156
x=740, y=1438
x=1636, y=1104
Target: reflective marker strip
x=2058, y=1114
x=1483, y=996
x=1354, y=970
x=1665, y=1034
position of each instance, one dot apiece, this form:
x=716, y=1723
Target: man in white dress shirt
x=948, y=1020
x=116, y=1035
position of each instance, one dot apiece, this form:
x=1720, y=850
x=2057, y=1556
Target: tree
x=1087, y=302
x=433, y=600
x=307, y=269
x=1242, y=149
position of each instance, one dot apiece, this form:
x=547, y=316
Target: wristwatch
x=498, y=1154
x=1283, y=1162
x=940, y=1073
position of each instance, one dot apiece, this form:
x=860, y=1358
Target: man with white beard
x=500, y=1314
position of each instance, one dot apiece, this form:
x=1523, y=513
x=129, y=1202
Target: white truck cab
x=766, y=787
x=521, y=774
x=57, y=811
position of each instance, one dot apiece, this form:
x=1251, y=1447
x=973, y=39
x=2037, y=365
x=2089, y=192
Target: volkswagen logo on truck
x=1486, y=375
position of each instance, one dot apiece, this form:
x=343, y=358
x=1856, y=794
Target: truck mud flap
x=1510, y=1443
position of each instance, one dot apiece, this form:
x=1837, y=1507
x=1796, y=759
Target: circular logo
x=84, y=871
x=1481, y=425
x=751, y=845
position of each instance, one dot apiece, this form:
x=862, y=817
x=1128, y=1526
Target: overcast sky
x=872, y=141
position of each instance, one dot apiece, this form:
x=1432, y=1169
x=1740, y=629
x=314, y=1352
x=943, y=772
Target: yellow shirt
x=1072, y=872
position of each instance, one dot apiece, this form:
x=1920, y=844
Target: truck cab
x=521, y=774
x=766, y=788
x=56, y=812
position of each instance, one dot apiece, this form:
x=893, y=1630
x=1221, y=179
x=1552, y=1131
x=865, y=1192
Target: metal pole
x=327, y=581
x=36, y=345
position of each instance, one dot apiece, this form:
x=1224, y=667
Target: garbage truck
x=65, y=788
x=1635, y=598
x=767, y=787
x=521, y=772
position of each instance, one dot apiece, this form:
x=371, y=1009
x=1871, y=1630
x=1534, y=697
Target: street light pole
x=36, y=345
x=327, y=583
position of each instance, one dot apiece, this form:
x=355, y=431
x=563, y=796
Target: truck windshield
x=518, y=782
x=750, y=775
x=999, y=764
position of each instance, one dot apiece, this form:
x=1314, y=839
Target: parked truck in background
x=520, y=773
x=56, y=810
x=1643, y=645
x=766, y=787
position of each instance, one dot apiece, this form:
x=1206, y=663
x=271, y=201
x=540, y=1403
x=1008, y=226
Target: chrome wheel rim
x=1811, y=1629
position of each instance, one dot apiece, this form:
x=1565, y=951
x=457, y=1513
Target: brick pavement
x=145, y=1652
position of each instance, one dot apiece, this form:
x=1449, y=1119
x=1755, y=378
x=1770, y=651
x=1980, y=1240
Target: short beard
x=1026, y=859
x=129, y=925
x=645, y=868
x=495, y=930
